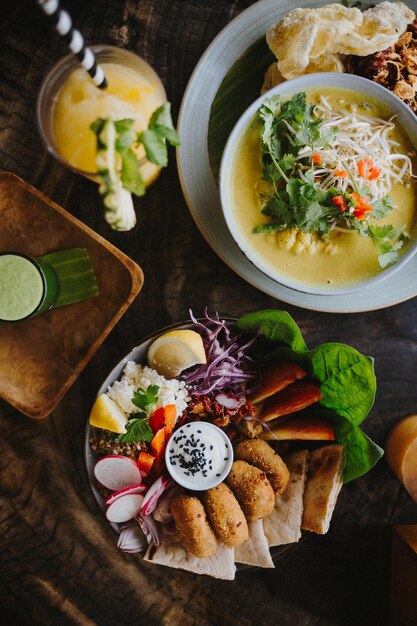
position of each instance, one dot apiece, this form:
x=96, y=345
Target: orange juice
x=69, y=102
x=401, y=450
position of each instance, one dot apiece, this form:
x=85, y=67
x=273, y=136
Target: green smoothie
x=21, y=287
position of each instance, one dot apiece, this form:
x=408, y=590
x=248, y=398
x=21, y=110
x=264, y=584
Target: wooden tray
x=41, y=358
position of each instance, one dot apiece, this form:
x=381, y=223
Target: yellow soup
x=341, y=258
x=79, y=103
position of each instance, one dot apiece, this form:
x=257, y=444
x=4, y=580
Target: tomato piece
x=164, y=416
x=340, y=202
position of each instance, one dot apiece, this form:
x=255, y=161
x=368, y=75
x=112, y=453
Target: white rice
x=137, y=376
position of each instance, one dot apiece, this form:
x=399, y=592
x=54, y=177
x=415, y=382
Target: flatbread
x=255, y=550
x=171, y=553
x=324, y=481
x=283, y=525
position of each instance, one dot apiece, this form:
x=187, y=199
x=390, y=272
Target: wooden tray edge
x=137, y=279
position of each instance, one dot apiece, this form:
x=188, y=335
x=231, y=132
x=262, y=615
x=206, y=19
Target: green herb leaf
x=382, y=207
x=125, y=135
x=388, y=240
x=130, y=173
x=144, y=399
x=155, y=147
x=138, y=429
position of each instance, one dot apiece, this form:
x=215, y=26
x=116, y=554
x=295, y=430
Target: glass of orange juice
x=69, y=102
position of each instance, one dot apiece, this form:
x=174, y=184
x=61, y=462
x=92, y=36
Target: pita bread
x=324, y=481
x=283, y=525
x=171, y=553
x=255, y=550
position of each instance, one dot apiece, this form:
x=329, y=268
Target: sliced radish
x=117, y=472
x=124, y=492
x=124, y=508
x=154, y=493
x=132, y=539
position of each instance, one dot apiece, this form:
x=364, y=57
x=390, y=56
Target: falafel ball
x=192, y=526
x=260, y=454
x=252, y=489
x=226, y=517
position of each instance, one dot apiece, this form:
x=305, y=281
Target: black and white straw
x=63, y=25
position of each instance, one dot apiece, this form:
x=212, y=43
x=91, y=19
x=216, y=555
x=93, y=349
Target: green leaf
x=276, y=326
x=138, y=429
x=388, y=240
x=130, y=173
x=347, y=379
x=382, y=207
x=161, y=121
x=155, y=147
x=126, y=135
x=362, y=453
x=97, y=125
x=145, y=399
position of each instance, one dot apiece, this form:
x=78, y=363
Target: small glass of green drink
x=28, y=287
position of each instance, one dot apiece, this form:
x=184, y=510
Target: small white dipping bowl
x=403, y=115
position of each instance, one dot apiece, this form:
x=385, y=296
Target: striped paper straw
x=63, y=25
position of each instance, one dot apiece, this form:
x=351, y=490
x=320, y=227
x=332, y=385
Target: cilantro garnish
x=144, y=399
x=291, y=134
x=138, y=429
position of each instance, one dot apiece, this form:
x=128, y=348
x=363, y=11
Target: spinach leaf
x=361, y=452
x=276, y=326
x=347, y=379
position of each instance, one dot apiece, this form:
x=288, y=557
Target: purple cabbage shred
x=228, y=366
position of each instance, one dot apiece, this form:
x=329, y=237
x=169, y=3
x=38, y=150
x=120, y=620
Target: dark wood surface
x=58, y=558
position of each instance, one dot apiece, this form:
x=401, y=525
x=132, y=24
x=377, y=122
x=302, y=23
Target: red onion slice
x=131, y=539
x=149, y=527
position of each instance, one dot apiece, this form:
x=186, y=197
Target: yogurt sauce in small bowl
x=199, y=456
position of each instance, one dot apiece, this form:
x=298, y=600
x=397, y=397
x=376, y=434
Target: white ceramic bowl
x=404, y=116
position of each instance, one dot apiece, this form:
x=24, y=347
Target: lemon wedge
x=176, y=351
x=106, y=414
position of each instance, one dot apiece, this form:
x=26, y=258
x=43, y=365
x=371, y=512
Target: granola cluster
x=395, y=68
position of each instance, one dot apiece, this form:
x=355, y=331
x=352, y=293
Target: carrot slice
x=145, y=462
x=170, y=415
x=159, y=442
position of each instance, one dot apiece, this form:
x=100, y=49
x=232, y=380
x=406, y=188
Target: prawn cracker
x=283, y=525
x=255, y=550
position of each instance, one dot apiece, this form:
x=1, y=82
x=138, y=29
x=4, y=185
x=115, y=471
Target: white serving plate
x=200, y=188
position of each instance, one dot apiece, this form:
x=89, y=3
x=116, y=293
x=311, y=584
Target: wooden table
x=59, y=563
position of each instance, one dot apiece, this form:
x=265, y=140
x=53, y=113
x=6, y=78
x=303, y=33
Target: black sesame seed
x=211, y=447
x=218, y=474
